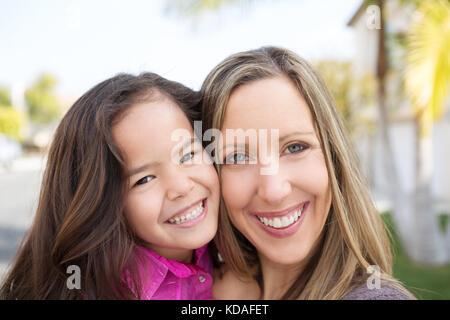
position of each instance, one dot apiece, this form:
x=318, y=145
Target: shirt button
x=201, y=279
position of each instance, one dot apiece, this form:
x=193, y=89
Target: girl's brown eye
x=187, y=157
x=144, y=180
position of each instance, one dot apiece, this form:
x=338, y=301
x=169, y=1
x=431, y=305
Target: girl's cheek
x=213, y=179
x=238, y=186
x=142, y=206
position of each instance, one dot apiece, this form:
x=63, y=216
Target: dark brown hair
x=79, y=219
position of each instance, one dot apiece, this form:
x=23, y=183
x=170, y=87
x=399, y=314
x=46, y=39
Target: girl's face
x=173, y=192
x=281, y=214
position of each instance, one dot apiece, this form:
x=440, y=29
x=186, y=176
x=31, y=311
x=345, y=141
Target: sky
x=84, y=42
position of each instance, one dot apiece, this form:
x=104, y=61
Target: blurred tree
x=11, y=119
x=338, y=77
x=383, y=123
x=427, y=83
x=43, y=106
x=11, y=122
x=5, y=97
x=192, y=7
x=351, y=95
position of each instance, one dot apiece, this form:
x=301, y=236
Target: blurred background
x=387, y=64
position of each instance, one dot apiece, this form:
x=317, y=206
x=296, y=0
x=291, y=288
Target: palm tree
x=427, y=80
x=428, y=55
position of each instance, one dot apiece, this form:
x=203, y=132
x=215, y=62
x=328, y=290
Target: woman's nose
x=273, y=188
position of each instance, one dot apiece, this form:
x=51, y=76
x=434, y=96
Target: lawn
x=423, y=281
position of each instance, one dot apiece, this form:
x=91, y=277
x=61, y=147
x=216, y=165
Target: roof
x=358, y=12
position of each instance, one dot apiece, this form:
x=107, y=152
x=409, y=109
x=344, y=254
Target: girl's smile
x=190, y=216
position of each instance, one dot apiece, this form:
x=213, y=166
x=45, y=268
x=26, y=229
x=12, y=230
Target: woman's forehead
x=268, y=103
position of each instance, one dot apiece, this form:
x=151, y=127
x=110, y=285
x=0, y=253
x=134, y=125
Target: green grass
x=424, y=282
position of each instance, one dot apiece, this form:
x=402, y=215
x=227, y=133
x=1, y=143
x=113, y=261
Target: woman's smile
x=282, y=223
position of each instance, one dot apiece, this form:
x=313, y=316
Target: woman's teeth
x=283, y=222
x=192, y=215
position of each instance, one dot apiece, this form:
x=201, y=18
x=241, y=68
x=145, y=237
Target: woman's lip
x=192, y=222
x=274, y=214
x=283, y=232
x=185, y=210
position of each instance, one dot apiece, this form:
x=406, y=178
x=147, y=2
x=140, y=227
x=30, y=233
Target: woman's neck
x=277, y=278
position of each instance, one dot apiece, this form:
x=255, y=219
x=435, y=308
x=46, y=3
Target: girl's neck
x=181, y=255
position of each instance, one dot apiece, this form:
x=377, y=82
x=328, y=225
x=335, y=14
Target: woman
x=307, y=230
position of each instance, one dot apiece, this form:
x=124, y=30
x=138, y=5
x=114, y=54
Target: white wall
x=403, y=144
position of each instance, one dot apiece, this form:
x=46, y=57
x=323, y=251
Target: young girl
x=307, y=230
x=129, y=203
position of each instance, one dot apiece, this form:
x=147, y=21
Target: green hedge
x=423, y=281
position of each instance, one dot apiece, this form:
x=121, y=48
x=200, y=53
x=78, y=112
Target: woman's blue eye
x=236, y=158
x=187, y=157
x=144, y=180
x=296, y=147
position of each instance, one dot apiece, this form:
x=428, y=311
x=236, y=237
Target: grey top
x=385, y=292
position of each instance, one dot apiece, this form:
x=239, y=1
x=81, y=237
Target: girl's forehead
x=147, y=128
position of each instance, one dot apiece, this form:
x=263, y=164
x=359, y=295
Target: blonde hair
x=354, y=236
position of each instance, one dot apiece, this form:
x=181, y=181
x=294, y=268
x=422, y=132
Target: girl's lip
x=284, y=232
x=192, y=222
x=185, y=209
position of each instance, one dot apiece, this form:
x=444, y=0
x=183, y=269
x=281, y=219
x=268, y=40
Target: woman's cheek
x=309, y=175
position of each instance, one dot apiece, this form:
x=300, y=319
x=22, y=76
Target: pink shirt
x=173, y=280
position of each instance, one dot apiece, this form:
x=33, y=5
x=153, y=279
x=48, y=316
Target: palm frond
x=427, y=72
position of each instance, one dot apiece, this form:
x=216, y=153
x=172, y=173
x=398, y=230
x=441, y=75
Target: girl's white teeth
x=193, y=214
x=283, y=222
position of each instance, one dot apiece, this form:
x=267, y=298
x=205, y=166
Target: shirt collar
x=179, y=269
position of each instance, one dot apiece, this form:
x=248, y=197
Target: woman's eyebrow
x=296, y=133
x=281, y=139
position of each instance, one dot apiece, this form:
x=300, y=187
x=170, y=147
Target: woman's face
x=281, y=214
x=173, y=192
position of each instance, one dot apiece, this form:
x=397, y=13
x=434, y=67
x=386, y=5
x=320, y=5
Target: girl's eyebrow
x=148, y=165
x=135, y=171
x=185, y=144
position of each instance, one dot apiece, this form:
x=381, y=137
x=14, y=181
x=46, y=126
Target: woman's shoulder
x=385, y=291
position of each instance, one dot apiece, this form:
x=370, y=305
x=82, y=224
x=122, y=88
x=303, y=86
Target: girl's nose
x=179, y=185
